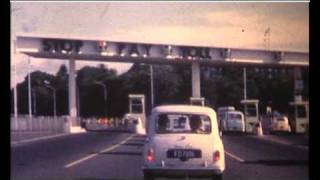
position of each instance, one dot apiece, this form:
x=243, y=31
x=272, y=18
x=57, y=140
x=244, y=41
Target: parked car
x=183, y=140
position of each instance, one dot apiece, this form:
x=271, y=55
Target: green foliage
x=172, y=84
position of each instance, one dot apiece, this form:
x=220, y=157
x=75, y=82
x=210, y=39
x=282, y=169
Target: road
x=111, y=155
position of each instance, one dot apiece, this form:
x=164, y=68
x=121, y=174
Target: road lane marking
x=20, y=142
x=95, y=154
x=282, y=141
x=234, y=156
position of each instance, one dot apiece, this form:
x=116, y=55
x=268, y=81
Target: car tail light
x=216, y=156
x=150, y=155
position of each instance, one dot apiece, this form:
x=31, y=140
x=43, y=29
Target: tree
x=61, y=84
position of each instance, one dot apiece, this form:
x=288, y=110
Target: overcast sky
x=187, y=23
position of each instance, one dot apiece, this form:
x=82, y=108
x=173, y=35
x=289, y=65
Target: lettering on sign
x=59, y=45
x=142, y=50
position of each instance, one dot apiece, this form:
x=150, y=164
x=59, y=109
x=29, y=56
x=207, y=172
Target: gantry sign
x=104, y=50
x=115, y=51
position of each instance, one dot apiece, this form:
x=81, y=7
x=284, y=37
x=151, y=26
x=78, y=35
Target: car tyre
x=217, y=177
x=148, y=176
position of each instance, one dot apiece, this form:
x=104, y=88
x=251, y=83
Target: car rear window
x=183, y=123
x=234, y=116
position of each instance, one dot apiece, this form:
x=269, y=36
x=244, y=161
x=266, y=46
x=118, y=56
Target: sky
x=225, y=24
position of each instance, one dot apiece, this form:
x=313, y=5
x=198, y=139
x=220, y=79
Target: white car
x=233, y=121
x=134, y=124
x=183, y=140
x=280, y=123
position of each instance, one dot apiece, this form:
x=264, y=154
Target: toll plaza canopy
x=133, y=52
x=74, y=49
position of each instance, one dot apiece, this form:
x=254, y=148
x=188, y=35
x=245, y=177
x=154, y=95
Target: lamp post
x=104, y=93
x=54, y=97
x=34, y=101
x=13, y=53
x=15, y=96
x=29, y=89
x=244, y=83
x=151, y=84
x=78, y=99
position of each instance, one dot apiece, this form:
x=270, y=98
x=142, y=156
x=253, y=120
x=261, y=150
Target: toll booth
x=137, y=107
x=299, y=116
x=199, y=101
x=251, y=114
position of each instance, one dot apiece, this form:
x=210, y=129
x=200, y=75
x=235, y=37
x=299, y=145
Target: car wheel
x=148, y=176
x=217, y=177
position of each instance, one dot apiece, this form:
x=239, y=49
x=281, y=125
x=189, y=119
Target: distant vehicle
x=280, y=123
x=222, y=113
x=183, y=140
x=134, y=124
x=233, y=121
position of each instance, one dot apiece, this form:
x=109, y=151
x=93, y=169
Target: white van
x=183, y=140
x=222, y=113
x=233, y=121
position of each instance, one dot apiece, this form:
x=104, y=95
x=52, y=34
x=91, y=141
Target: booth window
x=251, y=110
x=136, y=105
x=301, y=112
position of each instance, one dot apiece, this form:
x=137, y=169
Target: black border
x=5, y=90
x=314, y=92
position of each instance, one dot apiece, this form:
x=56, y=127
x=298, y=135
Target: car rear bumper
x=163, y=172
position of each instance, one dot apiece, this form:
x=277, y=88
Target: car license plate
x=183, y=153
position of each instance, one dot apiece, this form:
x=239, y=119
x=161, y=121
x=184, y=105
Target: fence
x=112, y=124
x=37, y=124
x=58, y=124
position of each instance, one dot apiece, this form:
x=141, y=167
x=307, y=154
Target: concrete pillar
x=196, y=79
x=72, y=93
x=298, y=84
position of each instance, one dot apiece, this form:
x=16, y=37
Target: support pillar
x=196, y=79
x=74, y=125
x=298, y=84
x=196, y=98
x=72, y=89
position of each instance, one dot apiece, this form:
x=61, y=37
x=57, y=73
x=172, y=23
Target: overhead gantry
x=72, y=49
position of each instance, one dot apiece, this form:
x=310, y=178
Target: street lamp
x=29, y=89
x=104, y=92
x=151, y=84
x=34, y=101
x=54, y=97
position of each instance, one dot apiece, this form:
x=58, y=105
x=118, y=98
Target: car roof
x=183, y=109
x=234, y=112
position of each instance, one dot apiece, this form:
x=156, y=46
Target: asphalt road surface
x=111, y=155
